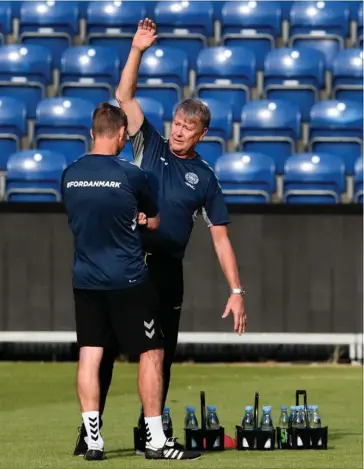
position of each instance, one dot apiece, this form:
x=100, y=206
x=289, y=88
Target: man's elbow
x=153, y=223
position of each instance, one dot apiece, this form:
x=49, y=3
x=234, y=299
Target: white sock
x=91, y=421
x=154, y=429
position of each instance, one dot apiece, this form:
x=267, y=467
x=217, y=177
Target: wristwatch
x=238, y=291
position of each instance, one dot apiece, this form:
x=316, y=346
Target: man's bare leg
x=88, y=389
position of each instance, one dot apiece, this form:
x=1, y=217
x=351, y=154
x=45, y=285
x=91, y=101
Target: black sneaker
x=94, y=455
x=81, y=443
x=170, y=450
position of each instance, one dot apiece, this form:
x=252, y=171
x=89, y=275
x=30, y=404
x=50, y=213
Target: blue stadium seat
x=353, y=6
x=358, y=181
x=127, y=152
x=6, y=21
x=360, y=26
x=246, y=177
x=185, y=25
x=220, y=130
x=89, y=72
x=271, y=127
x=254, y=25
x=15, y=8
x=286, y=8
x=50, y=24
x=25, y=72
x=163, y=74
x=313, y=178
x=152, y=109
x=296, y=76
x=34, y=176
x=337, y=128
x=226, y=74
x=63, y=125
x=13, y=127
x=347, y=75
x=113, y=24
x=320, y=25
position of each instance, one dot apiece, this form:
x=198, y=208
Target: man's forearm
x=129, y=77
x=227, y=259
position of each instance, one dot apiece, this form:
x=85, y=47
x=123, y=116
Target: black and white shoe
x=94, y=455
x=170, y=450
x=81, y=443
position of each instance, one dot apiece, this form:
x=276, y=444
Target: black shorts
x=128, y=315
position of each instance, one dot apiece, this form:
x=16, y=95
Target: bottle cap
x=211, y=408
x=267, y=408
x=166, y=409
x=249, y=408
x=190, y=408
x=283, y=407
x=314, y=407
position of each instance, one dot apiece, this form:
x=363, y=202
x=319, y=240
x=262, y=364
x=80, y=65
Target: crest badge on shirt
x=191, y=180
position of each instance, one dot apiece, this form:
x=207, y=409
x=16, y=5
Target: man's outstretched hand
x=145, y=35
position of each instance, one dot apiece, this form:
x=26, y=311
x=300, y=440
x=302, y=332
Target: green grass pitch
x=39, y=414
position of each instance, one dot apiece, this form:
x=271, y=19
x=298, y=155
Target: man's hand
x=145, y=35
x=235, y=305
x=142, y=219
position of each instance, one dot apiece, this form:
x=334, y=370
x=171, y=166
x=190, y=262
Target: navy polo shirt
x=103, y=195
x=182, y=187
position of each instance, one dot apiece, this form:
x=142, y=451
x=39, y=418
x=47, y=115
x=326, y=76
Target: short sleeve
x=215, y=211
x=147, y=143
x=145, y=198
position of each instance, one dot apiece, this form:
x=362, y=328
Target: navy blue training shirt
x=182, y=188
x=102, y=195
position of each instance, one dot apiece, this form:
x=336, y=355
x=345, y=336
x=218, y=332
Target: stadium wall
x=302, y=269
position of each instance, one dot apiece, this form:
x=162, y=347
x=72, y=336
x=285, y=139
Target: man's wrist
x=237, y=291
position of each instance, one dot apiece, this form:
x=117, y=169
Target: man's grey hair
x=193, y=108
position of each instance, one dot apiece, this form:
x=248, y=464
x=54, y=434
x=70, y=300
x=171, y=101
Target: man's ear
x=205, y=130
x=91, y=134
x=122, y=132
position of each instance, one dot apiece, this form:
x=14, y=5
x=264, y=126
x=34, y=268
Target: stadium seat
x=353, y=6
x=13, y=127
x=347, y=75
x=358, y=181
x=127, y=152
x=337, y=128
x=89, y=72
x=254, y=25
x=220, y=130
x=272, y=128
x=286, y=8
x=226, y=74
x=34, y=176
x=163, y=74
x=113, y=24
x=63, y=125
x=25, y=72
x=152, y=109
x=6, y=21
x=52, y=24
x=313, y=178
x=185, y=25
x=360, y=26
x=246, y=177
x=319, y=25
x=15, y=8
x=296, y=76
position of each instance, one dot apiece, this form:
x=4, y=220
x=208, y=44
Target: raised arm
x=144, y=37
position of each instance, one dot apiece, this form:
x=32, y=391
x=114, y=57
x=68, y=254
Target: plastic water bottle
x=191, y=420
x=291, y=415
x=316, y=420
x=248, y=419
x=191, y=423
x=213, y=422
x=166, y=419
x=266, y=423
x=299, y=418
x=212, y=418
x=283, y=419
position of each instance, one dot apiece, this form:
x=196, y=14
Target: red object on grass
x=229, y=443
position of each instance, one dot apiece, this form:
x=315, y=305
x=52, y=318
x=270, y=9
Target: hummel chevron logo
x=149, y=331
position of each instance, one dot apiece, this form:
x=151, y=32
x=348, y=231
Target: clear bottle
x=190, y=419
x=166, y=419
x=266, y=423
x=299, y=418
x=212, y=418
x=248, y=419
x=292, y=413
x=316, y=419
x=283, y=419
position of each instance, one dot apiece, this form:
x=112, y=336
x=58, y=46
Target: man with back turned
x=184, y=184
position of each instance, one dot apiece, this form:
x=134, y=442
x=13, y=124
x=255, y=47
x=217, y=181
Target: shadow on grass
x=119, y=453
x=339, y=435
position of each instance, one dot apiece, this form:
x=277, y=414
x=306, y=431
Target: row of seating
x=225, y=74
x=35, y=176
x=272, y=127
x=324, y=26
